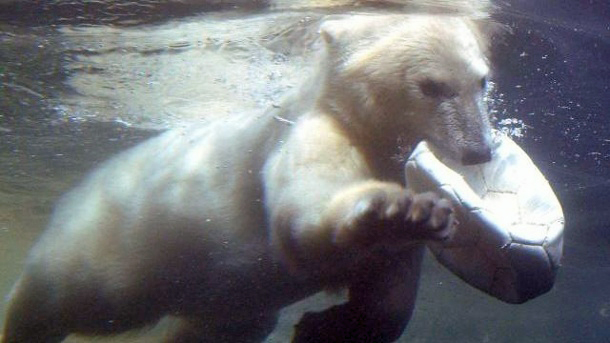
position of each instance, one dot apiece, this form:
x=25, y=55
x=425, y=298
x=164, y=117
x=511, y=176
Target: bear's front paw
x=394, y=215
x=430, y=218
x=373, y=216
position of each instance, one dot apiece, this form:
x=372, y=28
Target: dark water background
x=552, y=72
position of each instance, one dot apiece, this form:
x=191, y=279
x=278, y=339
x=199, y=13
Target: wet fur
x=225, y=224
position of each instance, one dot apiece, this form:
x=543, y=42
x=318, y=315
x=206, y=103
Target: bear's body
x=225, y=224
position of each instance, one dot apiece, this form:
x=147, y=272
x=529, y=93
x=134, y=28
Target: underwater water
x=79, y=84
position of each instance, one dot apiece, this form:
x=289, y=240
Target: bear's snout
x=476, y=156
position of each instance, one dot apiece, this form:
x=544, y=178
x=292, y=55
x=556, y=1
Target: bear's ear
x=334, y=29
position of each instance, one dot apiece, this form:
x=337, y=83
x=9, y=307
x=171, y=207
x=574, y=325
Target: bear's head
x=410, y=77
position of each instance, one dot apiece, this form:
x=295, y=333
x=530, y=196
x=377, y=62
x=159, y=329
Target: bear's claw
x=430, y=218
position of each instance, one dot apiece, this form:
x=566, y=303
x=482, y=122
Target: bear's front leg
x=333, y=224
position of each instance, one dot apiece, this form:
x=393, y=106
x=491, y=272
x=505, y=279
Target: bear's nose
x=476, y=156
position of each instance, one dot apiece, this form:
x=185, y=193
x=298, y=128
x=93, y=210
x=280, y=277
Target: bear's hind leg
x=32, y=315
x=47, y=308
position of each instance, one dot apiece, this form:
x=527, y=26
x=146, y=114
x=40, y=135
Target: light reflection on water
x=72, y=95
x=180, y=71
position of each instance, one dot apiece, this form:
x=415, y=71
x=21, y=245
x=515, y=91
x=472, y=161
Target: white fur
x=225, y=224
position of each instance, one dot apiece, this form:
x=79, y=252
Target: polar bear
x=223, y=224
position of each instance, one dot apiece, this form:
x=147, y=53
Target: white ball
x=509, y=237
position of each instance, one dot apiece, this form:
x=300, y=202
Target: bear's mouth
x=465, y=157
x=473, y=154
x=476, y=155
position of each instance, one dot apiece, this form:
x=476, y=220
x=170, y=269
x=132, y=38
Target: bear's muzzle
x=476, y=155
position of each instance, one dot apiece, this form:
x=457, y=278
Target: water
x=80, y=84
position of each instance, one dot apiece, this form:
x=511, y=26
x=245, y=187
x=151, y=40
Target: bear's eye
x=436, y=89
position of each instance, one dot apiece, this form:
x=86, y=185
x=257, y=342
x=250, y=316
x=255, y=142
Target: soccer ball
x=509, y=234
